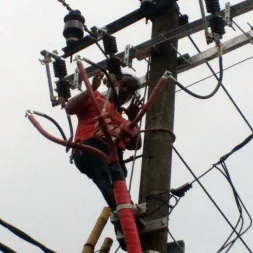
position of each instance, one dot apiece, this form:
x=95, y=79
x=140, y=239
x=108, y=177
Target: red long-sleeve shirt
x=86, y=118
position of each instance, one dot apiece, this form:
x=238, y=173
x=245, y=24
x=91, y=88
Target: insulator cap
x=60, y=69
x=110, y=44
x=212, y=6
x=74, y=27
x=113, y=66
x=74, y=15
x=217, y=25
x=146, y=3
x=63, y=89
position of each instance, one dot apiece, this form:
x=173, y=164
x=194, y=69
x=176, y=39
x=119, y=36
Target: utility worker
x=82, y=106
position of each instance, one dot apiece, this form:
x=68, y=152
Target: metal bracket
x=157, y=225
x=228, y=19
x=99, y=33
x=139, y=210
x=127, y=61
x=75, y=83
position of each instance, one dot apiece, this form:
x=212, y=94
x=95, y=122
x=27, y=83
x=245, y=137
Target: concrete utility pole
x=157, y=153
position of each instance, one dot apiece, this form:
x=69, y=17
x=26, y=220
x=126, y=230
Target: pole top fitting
x=28, y=113
x=167, y=74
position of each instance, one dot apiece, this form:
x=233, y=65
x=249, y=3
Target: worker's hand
x=107, y=83
x=134, y=107
x=96, y=81
x=113, y=129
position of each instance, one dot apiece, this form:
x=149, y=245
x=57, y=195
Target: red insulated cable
x=127, y=218
x=151, y=99
x=102, y=123
x=90, y=149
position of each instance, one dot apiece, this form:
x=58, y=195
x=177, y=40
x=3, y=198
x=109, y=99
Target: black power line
x=25, y=236
x=223, y=87
x=224, y=69
x=240, y=206
x=212, y=200
x=213, y=92
x=6, y=249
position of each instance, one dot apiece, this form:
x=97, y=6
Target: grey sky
x=42, y=194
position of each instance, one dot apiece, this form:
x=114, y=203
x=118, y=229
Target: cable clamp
x=125, y=206
x=168, y=75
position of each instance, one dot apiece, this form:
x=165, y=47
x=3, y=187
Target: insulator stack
x=217, y=25
x=113, y=66
x=110, y=44
x=63, y=89
x=63, y=86
x=74, y=27
x=216, y=22
x=212, y=6
x=60, y=69
x=113, y=63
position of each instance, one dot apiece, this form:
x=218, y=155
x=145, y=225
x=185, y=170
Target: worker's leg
x=104, y=184
x=96, y=170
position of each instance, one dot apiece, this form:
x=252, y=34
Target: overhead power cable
x=6, y=249
x=213, y=92
x=223, y=87
x=65, y=5
x=164, y=203
x=236, y=148
x=240, y=205
x=53, y=121
x=224, y=69
x=215, y=75
x=212, y=200
x=225, y=157
x=117, y=249
x=140, y=125
x=96, y=41
x=240, y=219
x=25, y=236
x=175, y=241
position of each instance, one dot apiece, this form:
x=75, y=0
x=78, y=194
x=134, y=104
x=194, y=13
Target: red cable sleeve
x=127, y=218
x=90, y=149
x=150, y=101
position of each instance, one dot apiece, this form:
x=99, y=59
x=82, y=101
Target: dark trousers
x=97, y=170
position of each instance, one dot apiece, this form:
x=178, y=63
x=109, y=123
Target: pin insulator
x=212, y=6
x=110, y=44
x=217, y=25
x=60, y=69
x=74, y=27
x=63, y=89
x=113, y=66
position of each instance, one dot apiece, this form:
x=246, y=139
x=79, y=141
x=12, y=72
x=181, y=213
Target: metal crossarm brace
x=120, y=24
x=210, y=54
x=145, y=49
